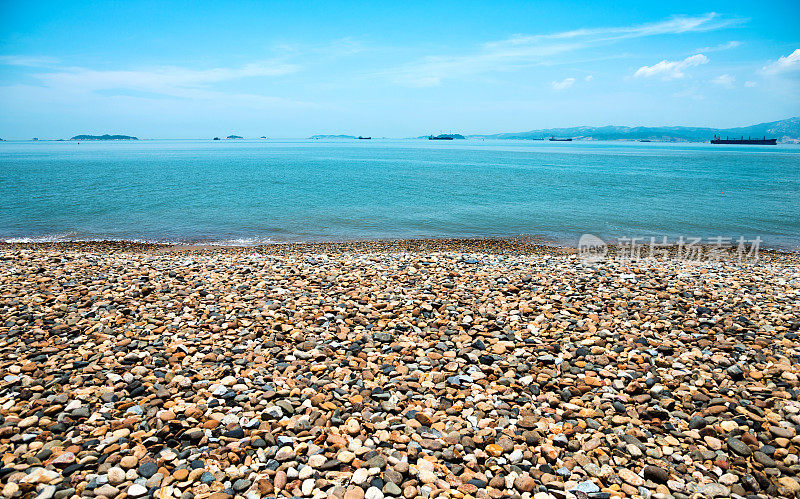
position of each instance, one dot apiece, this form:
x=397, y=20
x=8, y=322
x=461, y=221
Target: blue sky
x=292, y=69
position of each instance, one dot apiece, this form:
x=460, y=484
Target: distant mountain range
x=784, y=130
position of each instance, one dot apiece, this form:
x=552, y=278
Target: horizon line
x=347, y=135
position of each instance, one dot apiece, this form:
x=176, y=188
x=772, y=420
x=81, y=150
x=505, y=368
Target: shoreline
x=488, y=246
x=516, y=244
x=485, y=244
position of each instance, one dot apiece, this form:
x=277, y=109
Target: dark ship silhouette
x=761, y=142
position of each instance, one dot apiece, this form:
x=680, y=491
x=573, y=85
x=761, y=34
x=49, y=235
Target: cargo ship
x=363, y=138
x=553, y=139
x=759, y=142
x=440, y=137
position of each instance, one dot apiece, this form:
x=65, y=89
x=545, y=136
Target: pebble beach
x=438, y=368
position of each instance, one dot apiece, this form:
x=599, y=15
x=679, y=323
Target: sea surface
x=260, y=191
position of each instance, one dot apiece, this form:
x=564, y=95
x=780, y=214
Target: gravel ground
x=453, y=368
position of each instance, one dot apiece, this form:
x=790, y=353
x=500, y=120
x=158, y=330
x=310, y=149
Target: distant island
x=234, y=137
x=103, y=137
x=443, y=136
x=333, y=137
x=787, y=130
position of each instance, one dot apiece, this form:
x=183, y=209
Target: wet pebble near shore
x=368, y=373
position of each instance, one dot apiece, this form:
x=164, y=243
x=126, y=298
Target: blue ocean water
x=254, y=191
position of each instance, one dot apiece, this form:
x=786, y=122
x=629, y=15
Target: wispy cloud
x=520, y=51
x=563, y=84
x=724, y=81
x=690, y=93
x=675, y=25
x=27, y=60
x=166, y=81
x=722, y=46
x=152, y=86
x=669, y=70
x=750, y=84
x=787, y=64
x=588, y=78
x=431, y=71
x=334, y=49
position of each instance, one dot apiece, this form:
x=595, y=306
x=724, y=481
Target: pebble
x=106, y=490
x=136, y=490
x=280, y=479
x=116, y=475
x=46, y=492
x=656, y=474
x=391, y=489
x=587, y=487
x=307, y=487
x=714, y=490
x=148, y=469
x=630, y=477
x=285, y=454
x=427, y=476
x=360, y=476
x=354, y=492
x=739, y=447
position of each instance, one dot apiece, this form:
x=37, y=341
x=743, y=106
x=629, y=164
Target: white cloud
x=563, y=84
x=671, y=69
x=750, y=84
x=789, y=63
x=725, y=81
x=520, y=51
x=588, y=78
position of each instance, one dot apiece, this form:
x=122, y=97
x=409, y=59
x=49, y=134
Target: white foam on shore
x=68, y=239
x=244, y=241
x=49, y=238
x=73, y=238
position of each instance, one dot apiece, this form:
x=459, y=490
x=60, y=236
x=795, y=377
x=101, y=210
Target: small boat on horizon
x=553, y=139
x=364, y=138
x=440, y=137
